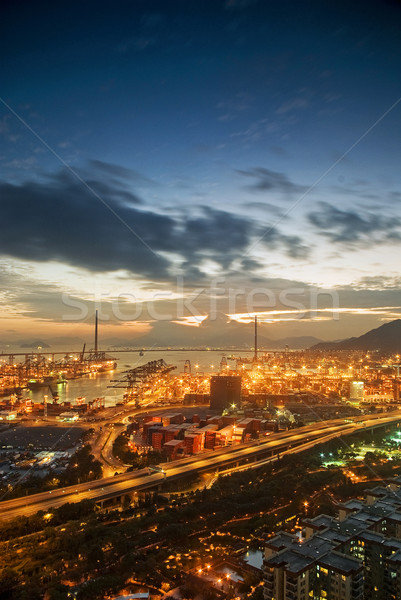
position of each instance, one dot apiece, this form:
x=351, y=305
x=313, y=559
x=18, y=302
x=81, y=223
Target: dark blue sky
x=209, y=135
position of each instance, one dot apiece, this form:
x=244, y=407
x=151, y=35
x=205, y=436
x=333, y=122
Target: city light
x=200, y=325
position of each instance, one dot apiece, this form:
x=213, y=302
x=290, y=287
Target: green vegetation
x=23, y=526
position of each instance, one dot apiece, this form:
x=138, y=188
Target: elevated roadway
x=239, y=456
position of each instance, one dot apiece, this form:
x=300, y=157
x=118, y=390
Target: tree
x=31, y=592
x=370, y=457
x=97, y=589
x=58, y=592
x=9, y=580
x=95, y=558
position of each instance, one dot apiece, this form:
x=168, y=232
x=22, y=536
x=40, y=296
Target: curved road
x=129, y=483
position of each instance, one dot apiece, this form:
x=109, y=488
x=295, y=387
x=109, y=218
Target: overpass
x=241, y=456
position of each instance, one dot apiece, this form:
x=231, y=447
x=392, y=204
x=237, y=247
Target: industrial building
x=225, y=390
x=356, y=390
x=354, y=556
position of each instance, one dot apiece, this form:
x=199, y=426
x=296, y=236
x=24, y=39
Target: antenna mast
x=96, y=319
x=256, y=338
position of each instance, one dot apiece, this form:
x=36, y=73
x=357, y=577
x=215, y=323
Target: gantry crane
x=133, y=380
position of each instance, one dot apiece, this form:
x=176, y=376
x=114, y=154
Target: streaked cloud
x=266, y=180
x=355, y=226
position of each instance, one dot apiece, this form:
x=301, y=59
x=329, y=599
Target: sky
x=182, y=166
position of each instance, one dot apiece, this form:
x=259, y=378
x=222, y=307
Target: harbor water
x=98, y=385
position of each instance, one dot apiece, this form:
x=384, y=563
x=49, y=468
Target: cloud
x=23, y=295
x=5, y=130
x=265, y=206
x=61, y=219
x=255, y=131
x=378, y=282
x=350, y=226
x=102, y=225
x=224, y=233
x=272, y=238
x=360, y=306
x=268, y=180
x=122, y=174
x=291, y=105
x=280, y=151
x=295, y=247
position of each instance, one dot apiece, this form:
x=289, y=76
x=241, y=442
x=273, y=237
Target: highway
x=102, y=448
x=237, y=456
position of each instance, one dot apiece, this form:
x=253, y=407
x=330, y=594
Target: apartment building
x=353, y=556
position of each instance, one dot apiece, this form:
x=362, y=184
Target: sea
x=100, y=385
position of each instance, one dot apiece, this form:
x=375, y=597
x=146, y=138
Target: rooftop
x=329, y=545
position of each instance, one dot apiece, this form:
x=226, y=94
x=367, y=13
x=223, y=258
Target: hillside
x=387, y=338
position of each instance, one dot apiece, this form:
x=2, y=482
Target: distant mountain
x=297, y=343
x=67, y=341
x=220, y=332
x=386, y=338
x=35, y=344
